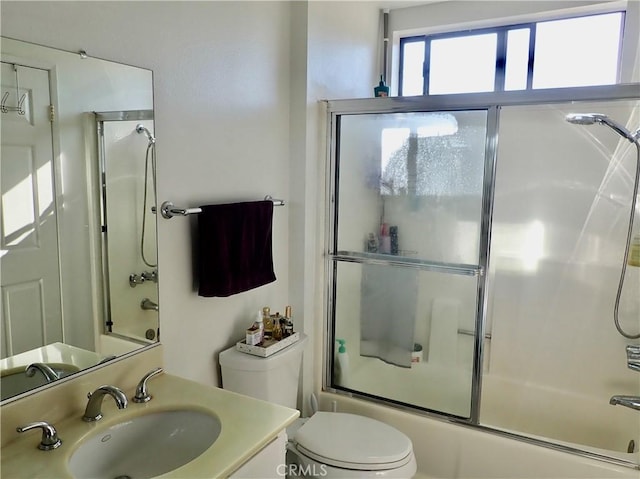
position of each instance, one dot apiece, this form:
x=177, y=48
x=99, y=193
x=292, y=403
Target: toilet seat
x=349, y=441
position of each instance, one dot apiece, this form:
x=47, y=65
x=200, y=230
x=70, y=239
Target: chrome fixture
x=142, y=394
x=149, y=156
x=633, y=357
x=136, y=279
x=93, y=411
x=50, y=439
x=628, y=401
x=169, y=210
x=140, y=128
x=150, y=276
x=147, y=304
x=47, y=372
x=599, y=118
x=19, y=108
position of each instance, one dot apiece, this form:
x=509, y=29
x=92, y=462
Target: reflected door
x=30, y=273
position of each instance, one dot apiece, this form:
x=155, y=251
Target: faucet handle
x=633, y=357
x=142, y=393
x=50, y=439
x=633, y=351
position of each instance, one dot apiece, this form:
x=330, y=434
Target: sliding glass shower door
x=474, y=251
x=406, y=256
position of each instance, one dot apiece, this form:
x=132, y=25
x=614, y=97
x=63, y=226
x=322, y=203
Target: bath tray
x=270, y=346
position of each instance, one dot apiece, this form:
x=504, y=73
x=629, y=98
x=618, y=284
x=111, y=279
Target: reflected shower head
x=140, y=128
x=593, y=118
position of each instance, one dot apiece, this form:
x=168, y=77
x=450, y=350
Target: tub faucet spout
x=45, y=369
x=628, y=401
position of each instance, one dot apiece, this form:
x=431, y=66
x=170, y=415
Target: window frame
x=501, y=48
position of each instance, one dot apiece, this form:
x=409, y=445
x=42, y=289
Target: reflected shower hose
x=150, y=155
x=590, y=119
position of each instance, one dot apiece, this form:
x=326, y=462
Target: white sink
x=145, y=446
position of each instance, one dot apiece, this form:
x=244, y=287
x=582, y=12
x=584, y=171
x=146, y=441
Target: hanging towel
x=234, y=243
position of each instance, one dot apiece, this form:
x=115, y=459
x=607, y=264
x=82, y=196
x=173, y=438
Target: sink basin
x=14, y=381
x=145, y=446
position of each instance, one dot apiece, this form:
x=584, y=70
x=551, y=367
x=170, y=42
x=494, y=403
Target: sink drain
x=632, y=446
x=122, y=477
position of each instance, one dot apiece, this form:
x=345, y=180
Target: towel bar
x=169, y=210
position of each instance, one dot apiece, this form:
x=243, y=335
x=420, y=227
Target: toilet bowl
x=342, y=445
x=328, y=444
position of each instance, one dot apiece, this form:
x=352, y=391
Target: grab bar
x=169, y=210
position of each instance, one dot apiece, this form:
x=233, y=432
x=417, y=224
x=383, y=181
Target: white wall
x=221, y=73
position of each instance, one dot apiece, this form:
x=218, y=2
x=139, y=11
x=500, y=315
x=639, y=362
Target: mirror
x=78, y=229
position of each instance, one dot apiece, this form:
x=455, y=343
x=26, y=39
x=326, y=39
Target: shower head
x=140, y=128
x=593, y=118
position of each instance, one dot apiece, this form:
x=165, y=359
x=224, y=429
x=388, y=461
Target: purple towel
x=234, y=248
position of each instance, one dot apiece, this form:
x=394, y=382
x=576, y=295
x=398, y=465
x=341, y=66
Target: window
x=546, y=54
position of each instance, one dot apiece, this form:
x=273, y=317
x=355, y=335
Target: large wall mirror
x=79, y=272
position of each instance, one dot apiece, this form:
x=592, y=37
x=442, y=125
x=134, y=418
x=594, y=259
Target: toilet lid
x=353, y=442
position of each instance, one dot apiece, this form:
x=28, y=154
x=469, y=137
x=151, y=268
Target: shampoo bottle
x=342, y=364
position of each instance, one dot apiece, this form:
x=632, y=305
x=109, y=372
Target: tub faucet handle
x=633, y=357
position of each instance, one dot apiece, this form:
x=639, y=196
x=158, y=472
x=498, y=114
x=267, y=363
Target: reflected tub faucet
x=146, y=303
x=47, y=372
x=93, y=411
x=628, y=401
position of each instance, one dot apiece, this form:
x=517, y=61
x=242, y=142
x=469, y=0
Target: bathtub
x=580, y=421
x=110, y=344
x=445, y=450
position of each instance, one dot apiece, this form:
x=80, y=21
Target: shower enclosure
x=126, y=151
x=474, y=247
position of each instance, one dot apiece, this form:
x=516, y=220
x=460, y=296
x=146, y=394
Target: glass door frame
x=492, y=103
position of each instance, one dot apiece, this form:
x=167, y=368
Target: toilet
x=328, y=444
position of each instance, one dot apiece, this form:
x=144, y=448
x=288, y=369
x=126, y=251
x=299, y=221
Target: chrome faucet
x=47, y=372
x=142, y=394
x=146, y=303
x=628, y=401
x=50, y=439
x=93, y=411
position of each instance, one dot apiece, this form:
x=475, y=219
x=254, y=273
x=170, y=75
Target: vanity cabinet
x=268, y=463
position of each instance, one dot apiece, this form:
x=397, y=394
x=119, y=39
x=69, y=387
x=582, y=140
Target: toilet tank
x=273, y=379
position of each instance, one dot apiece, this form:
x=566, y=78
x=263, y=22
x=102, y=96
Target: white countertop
x=247, y=426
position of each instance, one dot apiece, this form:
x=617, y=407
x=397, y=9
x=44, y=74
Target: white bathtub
x=450, y=451
x=580, y=421
x=114, y=345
